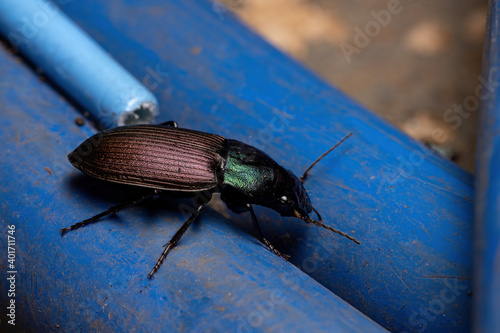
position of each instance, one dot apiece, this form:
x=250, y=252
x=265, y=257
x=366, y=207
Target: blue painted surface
x=219, y=278
x=487, y=239
x=78, y=65
x=411, y=209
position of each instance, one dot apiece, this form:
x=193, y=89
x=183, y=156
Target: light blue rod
x=41, y=32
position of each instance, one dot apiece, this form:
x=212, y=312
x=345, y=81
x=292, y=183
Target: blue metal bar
x=487, y=236
x=76, y=63
x=219, y=278
x=411, y=209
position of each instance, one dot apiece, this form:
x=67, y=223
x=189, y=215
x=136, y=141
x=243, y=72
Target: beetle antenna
x=321, y=157
x=310, y=220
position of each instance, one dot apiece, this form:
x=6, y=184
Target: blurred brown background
x=412, y=62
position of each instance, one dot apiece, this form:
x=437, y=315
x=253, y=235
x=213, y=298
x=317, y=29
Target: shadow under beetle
x=167, y=158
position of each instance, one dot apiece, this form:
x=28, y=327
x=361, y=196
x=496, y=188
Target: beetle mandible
x=168, y=158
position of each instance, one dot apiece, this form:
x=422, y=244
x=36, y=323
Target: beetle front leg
x=171, y=243
x=264, y=240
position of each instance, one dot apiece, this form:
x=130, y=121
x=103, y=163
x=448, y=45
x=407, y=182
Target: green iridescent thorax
x=250, y=172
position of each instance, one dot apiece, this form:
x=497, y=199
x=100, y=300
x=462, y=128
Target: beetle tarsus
x=171, y=243
x=80, y=224
x=274, y=250
x=111, y=210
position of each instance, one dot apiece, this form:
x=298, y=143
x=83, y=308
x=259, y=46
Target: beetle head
x=290, y=195
x=291, y=199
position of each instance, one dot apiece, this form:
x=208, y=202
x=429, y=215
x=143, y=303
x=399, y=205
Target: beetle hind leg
x=264, y=240
x=111, y=210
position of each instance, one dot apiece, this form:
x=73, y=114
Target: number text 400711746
x=11, y=274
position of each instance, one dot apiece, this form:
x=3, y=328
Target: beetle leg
x=171, y=243
x=264, y=240
x=111, y=210
x=170, y=123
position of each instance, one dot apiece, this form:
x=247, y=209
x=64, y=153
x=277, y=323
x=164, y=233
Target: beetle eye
x=284, y=199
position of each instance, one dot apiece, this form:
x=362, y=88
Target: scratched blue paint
x=219, y=278
x=411, y=209
x=487, y=239
x=78, y=65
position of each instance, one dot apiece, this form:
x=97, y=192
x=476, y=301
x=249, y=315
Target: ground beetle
x=168, y=158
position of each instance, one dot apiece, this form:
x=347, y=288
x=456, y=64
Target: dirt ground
x=416, y=63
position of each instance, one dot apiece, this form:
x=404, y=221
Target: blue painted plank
x=219, y=278
x=487, y=236
x=411, y=209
